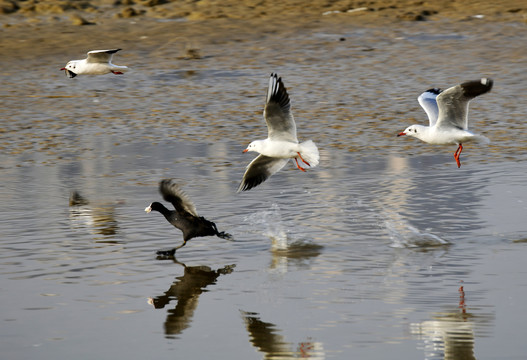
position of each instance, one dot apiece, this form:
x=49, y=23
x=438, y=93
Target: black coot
x=184, y=217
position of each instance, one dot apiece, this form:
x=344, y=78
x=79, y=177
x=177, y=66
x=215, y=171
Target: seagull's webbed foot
x=117, y=72
x=298, y=166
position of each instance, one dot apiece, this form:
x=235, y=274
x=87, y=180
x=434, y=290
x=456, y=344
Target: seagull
x=281, y=143
x=98, y=62
x=448, y=114
x=184, y=217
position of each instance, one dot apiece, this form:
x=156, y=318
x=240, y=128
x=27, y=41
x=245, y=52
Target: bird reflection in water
x=100, y=219
x=450, y=335
x=266, y=338
x=186, y=290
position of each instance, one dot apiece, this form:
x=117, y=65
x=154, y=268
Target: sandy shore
x=44, y=28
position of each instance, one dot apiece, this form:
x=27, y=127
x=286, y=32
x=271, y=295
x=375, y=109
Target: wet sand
x=48, y=28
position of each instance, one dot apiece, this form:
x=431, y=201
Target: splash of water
x=404, y=235
x=273, y=227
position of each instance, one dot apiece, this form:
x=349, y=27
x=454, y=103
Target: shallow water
x=386, y=250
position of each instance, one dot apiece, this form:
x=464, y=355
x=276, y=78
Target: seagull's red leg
x=457, y=154
x=301, y=158
x=116, y=72
x=298, y=166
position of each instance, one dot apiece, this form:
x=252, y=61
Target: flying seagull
x=281, y=143
x=448, y=114
x=98, y=62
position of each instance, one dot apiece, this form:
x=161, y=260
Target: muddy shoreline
x=46, y=28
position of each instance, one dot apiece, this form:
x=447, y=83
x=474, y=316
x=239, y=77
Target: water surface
x=386, y=250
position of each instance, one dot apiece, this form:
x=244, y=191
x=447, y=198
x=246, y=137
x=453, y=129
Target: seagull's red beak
x=245, y=150
x=63, y=69
x=401, y=133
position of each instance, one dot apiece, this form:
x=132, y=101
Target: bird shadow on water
x=186, y=291
x=403, y=235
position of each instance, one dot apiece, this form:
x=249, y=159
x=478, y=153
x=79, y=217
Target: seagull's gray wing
x=172, y=193
x=259, y=170
x=453, y=102
x=428, y=102
x=101, y=56
x=277, y=112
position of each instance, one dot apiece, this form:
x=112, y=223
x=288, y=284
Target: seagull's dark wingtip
x=277, y=92
x=487, y=82
x=435, y=91
x=244, y=187
x=474, y=88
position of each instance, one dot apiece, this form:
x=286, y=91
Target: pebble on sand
x=79, y=20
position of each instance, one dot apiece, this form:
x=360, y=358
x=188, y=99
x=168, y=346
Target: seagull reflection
x=100, y=219
x=450, y=335
x=186, y=290
x=266, y=338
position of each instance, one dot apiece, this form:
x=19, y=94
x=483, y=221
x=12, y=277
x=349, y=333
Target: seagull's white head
x=412, y=130
x=70, y=68
x=254, y=146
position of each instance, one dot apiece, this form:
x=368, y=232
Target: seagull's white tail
x=309, y=152
x=119, y=68
x=481, y=139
